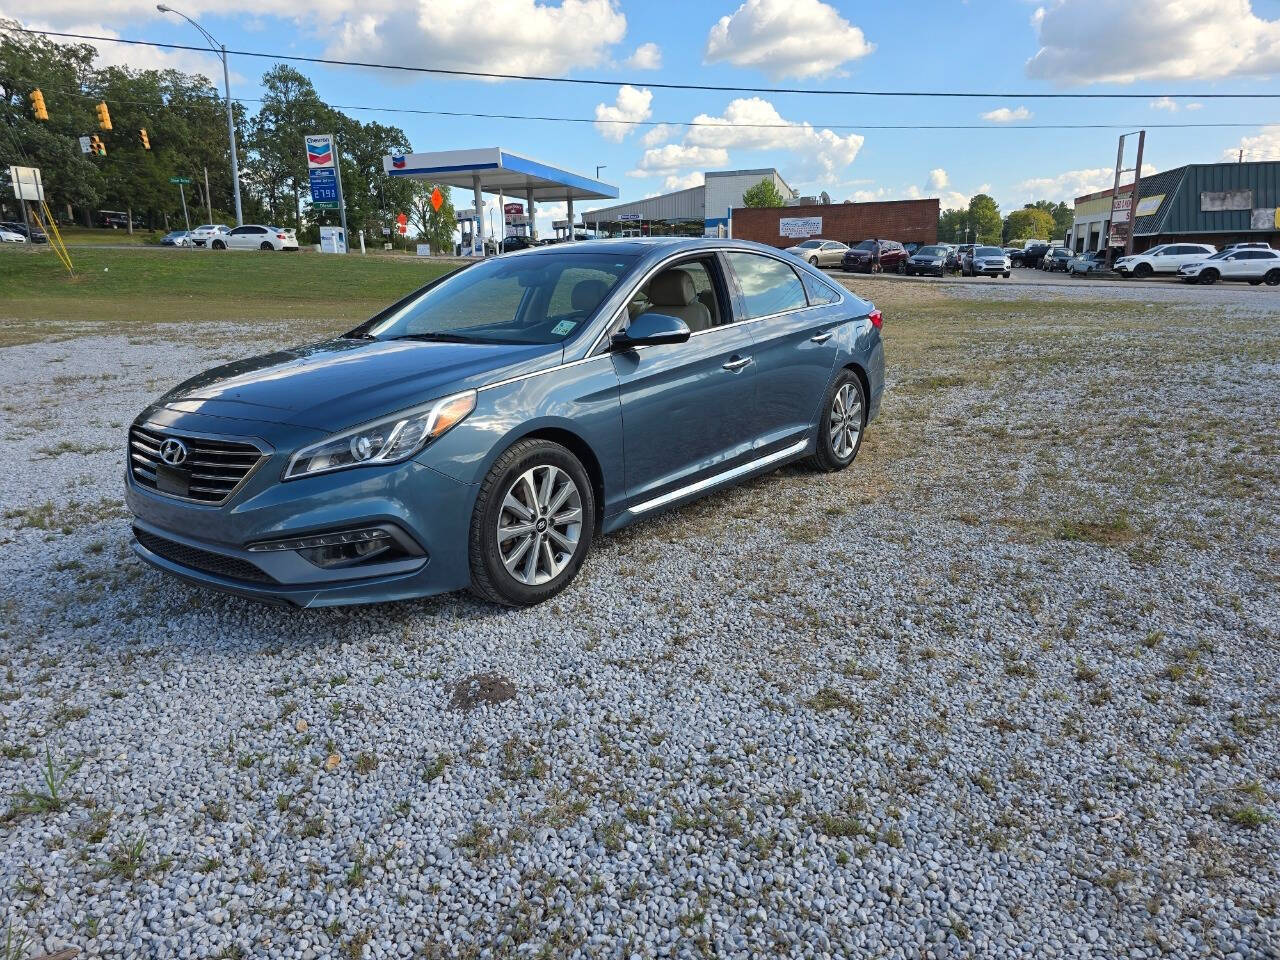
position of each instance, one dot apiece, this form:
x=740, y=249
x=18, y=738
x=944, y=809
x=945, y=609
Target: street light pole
x=599, y=167
x=221, y=50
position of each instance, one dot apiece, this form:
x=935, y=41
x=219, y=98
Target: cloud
x=1164, y=103
x=647, y=56
x=674, y=157
x=631, y=106
x=786, y=38
x=501, y=36
x=1007, y=115
x=678, y=182
x=753, y=123
x=938, y=178
x=1265, y=146
x=1074, y=183
x=659, y=134
x=139, y=57
x=1101, y=41
x=1195, y=106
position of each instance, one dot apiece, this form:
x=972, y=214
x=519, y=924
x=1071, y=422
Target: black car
x=511, y=244
x=928, y=260
x=1033, y=253
x=31, y=233
x=1057, y=259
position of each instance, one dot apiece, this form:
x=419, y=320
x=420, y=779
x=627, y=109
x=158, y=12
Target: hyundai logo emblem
x=173, y=451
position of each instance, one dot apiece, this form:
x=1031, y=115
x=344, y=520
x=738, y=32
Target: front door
x=795, y=346
x=687, y=408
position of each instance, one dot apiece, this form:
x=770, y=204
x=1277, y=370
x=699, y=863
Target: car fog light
x=371, y=535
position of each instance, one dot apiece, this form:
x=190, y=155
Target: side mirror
x=651, y=328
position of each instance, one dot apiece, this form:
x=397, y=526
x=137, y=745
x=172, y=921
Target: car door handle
x=821, y=337
x=733, y=366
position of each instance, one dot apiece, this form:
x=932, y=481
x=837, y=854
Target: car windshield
x=809, y=244
x=988, y=252
x=538, y=298
x=1220, y=256
x=866, y=245
x=931, y=252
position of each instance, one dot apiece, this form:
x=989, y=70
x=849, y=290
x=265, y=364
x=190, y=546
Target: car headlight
x=391, y=440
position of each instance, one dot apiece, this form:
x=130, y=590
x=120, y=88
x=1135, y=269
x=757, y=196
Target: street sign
x=320, y=152
x=183, y=180
x=437, y=199
x=86, y=144
x=26, y=183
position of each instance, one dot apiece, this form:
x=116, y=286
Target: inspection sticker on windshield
x=564, y=327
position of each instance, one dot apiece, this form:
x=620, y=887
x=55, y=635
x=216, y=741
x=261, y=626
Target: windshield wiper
x=438, y=337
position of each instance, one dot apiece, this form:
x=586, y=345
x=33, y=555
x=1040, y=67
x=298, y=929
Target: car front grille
x=216, y=467
x=217, y=564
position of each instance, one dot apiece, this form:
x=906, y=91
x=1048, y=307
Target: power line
x=442, y=71
x=715, y=125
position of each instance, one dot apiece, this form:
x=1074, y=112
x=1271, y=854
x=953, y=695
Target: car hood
x=340, y=383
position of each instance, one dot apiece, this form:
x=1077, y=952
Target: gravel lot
x=1007, y=687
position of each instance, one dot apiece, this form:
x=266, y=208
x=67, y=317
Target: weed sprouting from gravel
x=50, y=797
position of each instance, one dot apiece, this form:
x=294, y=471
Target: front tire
x=843, y=423
x=1209, y=276
x=813, y=261
x=532, y=524
x=1143, y=270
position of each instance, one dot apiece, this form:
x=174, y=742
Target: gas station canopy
x=499, y=171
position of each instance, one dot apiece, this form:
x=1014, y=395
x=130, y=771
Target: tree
x=434, y=227
x=1029, y=223
x=984, y=219
x=763, y=194
x=372, y=196
x=952, y=224
x=1063, y=216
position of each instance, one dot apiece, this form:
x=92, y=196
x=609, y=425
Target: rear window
x=768, y=286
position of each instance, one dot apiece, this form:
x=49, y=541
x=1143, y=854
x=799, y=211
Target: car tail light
x=281, y=236
x=876, y=318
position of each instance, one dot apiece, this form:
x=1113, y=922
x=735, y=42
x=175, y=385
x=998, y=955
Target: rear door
x=792, y=321
x=688, y=409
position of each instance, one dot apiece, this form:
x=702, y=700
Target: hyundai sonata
x=483, y=430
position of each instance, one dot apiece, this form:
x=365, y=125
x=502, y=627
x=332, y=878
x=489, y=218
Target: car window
x=818, y=292
x=527, y=299
x=768, y=286
x=866, y=245
x=810, y=244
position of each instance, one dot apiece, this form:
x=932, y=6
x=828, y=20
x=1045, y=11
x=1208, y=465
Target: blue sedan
x=484, y=429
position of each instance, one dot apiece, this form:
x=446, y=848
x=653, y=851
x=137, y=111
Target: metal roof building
x=1217, y=203
x=698, y=211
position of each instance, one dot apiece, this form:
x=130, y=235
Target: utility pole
x=186, y=219
x=1115, y=193
x=208, y=200
x=342, y=200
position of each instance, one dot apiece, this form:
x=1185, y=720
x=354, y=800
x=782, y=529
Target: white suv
x=1166, y=258
x=1256, y=266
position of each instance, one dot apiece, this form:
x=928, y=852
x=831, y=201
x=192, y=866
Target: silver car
x=987, y=262
x=820, y=253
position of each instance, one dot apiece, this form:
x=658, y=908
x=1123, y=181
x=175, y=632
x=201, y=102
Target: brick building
x=901, y=220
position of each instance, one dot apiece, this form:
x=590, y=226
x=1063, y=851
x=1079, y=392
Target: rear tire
x=218, y=245
x=902, y=268
x=545, y=481
x=265, y=245
x=843, y=423
x=1272, y=279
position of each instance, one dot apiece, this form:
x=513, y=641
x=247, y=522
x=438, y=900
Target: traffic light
x=37, y=105
x=104, y=118
x=97, y=147
x=146, y=143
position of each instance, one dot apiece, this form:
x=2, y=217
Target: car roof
x=642, y=246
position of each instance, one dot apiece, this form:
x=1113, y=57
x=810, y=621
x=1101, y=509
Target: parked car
x=928, y=260
x=861, y=258
x=31, y=234
x=513, y=243
x=911, y=248
x=9, y=236
x=1056, y=260
x=1033, y=253
x=1089, y=262
x=956, y=255
x=1165, y=258
x=202, y=234
x=290, y=239
x=820, y=253
x=253, y=236
x=986, y=262
x=1254, y=265
x=176, y=238
x=465, y=437
x=1252, y=245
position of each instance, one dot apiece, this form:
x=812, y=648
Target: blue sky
x=1138, y=46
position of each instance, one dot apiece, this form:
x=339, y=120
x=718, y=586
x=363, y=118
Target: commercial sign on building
x=629, y=217
x=1265, y=218
x=1223, y=200
x=1149, y=205
x=799, y=226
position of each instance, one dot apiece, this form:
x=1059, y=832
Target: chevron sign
x=319, y=151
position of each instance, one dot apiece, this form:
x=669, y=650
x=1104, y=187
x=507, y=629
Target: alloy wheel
x=539, y=524
x=846, y=421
